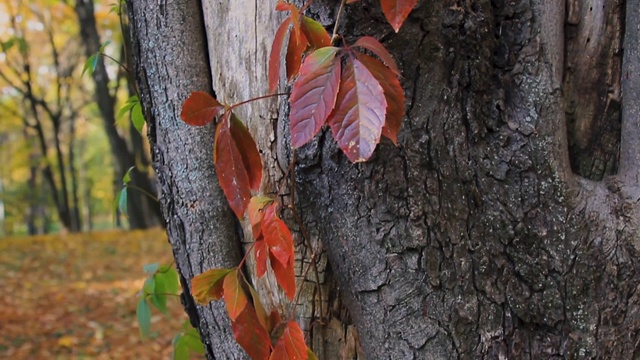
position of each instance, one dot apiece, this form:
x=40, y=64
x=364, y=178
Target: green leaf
x=180, y=348
x=127, y=179
x=151, y=268
x=6, y=45
x=22, y=45
x=193, y=342
x=159, y=297
x=149, y=286
x=170, y=278
x=143, y=314
x=121, y=200
x=137, y=118
x=90, y=64
x=104, y=45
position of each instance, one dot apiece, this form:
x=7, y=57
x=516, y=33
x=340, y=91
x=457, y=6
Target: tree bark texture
x=474, y=238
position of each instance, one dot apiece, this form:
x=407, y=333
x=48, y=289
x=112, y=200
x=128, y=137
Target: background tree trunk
x=473, y=238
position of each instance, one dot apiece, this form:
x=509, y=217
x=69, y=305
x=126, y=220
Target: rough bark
x=170, y=61
x=473, y=239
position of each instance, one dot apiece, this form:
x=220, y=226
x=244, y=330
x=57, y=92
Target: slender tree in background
x=50, y=105
x=504, y=225
x=143, y=212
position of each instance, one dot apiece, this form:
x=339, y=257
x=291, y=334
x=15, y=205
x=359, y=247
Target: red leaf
x=230, y=168
x=397, y=11
x=249, y=152
x=294, y=342
x=277, y=235
x=261, y=251
x=251, y=335
x=274, y=320
x=297, y=45
x=316, y=34
x=256, y=213
x=274, y=57
x=285, y=276
x=392, y=92
x=352, y=1
x=357, y=121
x=280, y=351
x=207, y=286
x=234, y=297
x=200, y=109
x=314, y=94
x=284, y=6
x=373, y=45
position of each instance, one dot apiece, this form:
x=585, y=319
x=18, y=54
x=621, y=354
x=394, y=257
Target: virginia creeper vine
x=358, y=96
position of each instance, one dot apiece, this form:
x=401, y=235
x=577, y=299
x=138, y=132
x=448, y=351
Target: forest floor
x=74, y=296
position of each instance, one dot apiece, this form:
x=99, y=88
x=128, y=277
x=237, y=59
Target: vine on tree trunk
x=358, y=96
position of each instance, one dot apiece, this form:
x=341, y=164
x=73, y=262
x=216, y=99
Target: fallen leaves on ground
x=74, y=296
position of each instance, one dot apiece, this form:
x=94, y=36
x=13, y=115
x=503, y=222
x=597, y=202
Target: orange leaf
x=316, y=34
x=280, y=351
x=358, y=118
x=396, y=11
x=234, y=297
x=297, y=45
x=373, y=45
x=392, y=92
x=284, y=275
x=251, y=335
x=277, y=235
x=256, y=213
x=274, y=57
x=294, y=342
x=284, y=6
x=314, y=94
x=261, y=313
x=207, y=286
x=230, y=169
x=200, y=109
x=261, y=251
x=249, y=152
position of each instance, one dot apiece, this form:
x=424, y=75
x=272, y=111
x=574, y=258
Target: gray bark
x=473, y=239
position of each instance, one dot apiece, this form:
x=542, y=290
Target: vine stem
x=306, y=5
x=256, y=99
x=151, y=196
x=305, y=237
x=335, y=27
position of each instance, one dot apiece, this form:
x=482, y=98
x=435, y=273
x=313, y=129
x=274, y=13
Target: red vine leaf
x=230, y=169
x=274, y=57
x=251, y=335
x=297, y=45
x=358, y=118
x=373, y=45
x=277, y=235
x=200, y=109
x=261, y=251
x=234, y=297
x=396, y=11
x=250, y=155
x=392, y=92
x=280, y=351
x=294, y=342
x=314, y=94
x=316, y=34
x=261, y=313
x=207, y=286
x=256, y=213
x=284, y=275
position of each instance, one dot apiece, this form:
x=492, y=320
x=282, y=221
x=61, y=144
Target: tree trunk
x=139, y=208
x=473, y=239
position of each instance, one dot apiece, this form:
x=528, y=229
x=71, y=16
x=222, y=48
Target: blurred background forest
x=75, y=178
x=66, y=137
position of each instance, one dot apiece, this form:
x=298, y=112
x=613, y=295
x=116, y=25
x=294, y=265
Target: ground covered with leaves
x=74, y=297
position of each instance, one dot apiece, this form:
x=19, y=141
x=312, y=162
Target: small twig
x=335, y=27
x=151, y=196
